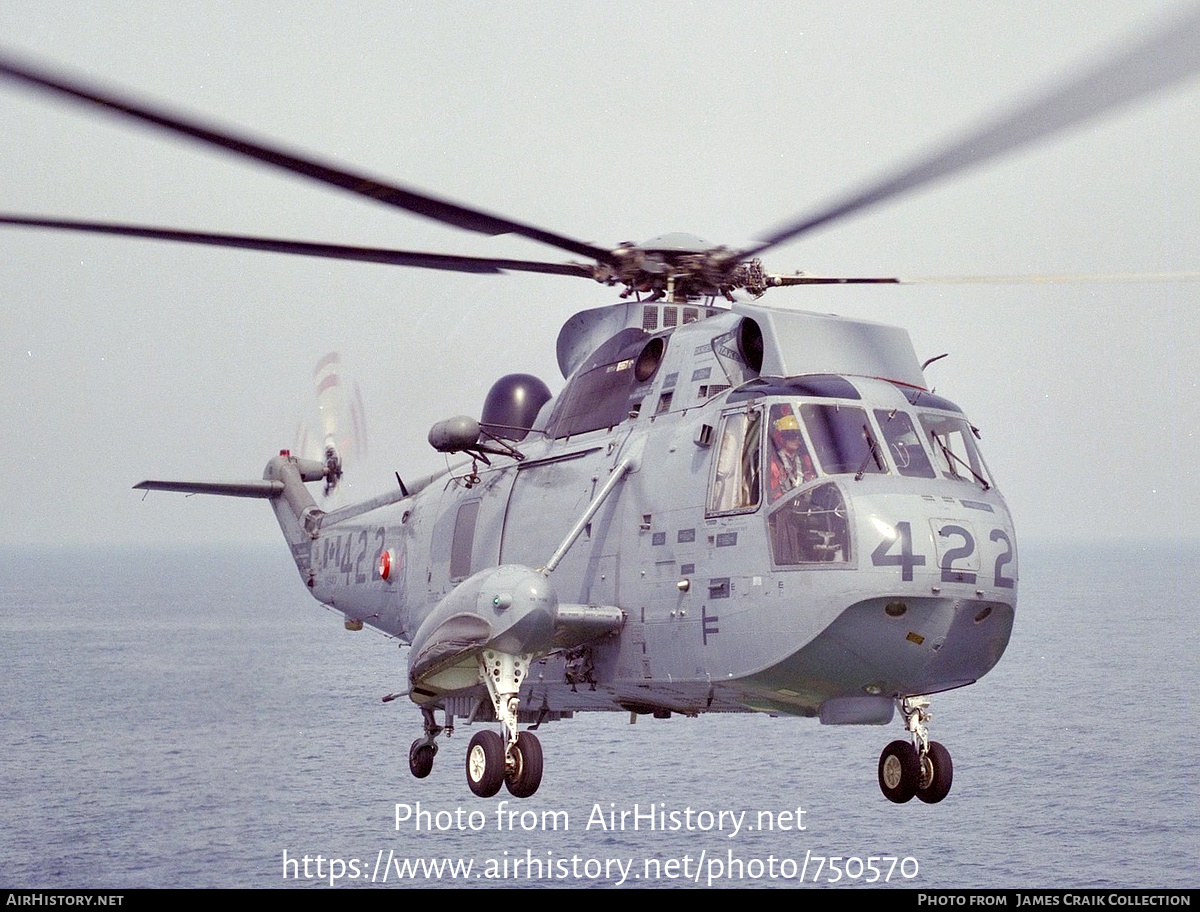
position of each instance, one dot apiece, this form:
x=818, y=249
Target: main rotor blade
x=1100, y=278
x=1104, y=278
x=801, y=279
x=1166, y=57
x=390, y=194
x=448, y=262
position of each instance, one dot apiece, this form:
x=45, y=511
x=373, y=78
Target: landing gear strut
x=515, y=759
x=922, y=768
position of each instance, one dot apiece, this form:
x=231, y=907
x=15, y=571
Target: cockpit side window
x=902, y=439
x=737, y=477
x=955, y=453
x=843, y=440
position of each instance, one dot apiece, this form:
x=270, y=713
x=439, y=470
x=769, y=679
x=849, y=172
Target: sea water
x=192, y=718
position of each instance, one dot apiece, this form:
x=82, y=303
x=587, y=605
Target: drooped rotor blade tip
x=1167, y=56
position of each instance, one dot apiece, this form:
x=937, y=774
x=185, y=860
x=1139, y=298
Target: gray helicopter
x=727, y=507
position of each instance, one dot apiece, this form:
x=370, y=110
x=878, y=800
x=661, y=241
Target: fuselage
x=817, y=543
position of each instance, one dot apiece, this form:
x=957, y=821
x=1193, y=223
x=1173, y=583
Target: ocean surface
x=194, y=719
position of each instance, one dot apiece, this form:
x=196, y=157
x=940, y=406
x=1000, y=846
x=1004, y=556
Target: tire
x=420, y=759
x=899, y=771
x=485, y=763
x=938, y=774
x=527, y=774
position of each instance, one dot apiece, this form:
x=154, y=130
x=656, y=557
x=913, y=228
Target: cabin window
x=904, y=443
x=737, y=477
x=954, y=450
x=464, y=540
x=842, y=439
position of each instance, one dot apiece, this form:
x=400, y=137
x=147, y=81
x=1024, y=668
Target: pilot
x=790, y=464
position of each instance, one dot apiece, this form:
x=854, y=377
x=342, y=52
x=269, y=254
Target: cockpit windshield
x=842, y=439
x=785, y=454
x=904, y=444
x=809, y=439
x=954, y=449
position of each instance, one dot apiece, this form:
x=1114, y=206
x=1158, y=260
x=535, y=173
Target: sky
x=609, y=122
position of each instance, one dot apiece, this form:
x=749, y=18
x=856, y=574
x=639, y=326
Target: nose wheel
x=921, y=767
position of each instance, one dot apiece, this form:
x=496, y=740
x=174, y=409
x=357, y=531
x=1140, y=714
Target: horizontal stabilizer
x=265, y=489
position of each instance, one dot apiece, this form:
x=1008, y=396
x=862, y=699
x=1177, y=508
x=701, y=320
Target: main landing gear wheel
x=420, y=758
x=485, y=763
x=922, y=768
x=525, y=775
x=520, y=753
x=937, y=773
x=899, y=772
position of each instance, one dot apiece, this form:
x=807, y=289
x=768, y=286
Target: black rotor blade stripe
x=411, y=201
x=418, y=259
x=833, y=280
x=1095, y=278
x=1168, y=56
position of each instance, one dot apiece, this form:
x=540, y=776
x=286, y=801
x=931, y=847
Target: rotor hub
x=680, y=267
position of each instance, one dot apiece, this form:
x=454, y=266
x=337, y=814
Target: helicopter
x=647, y=540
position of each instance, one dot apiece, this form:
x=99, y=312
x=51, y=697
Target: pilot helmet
x=787, y=428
